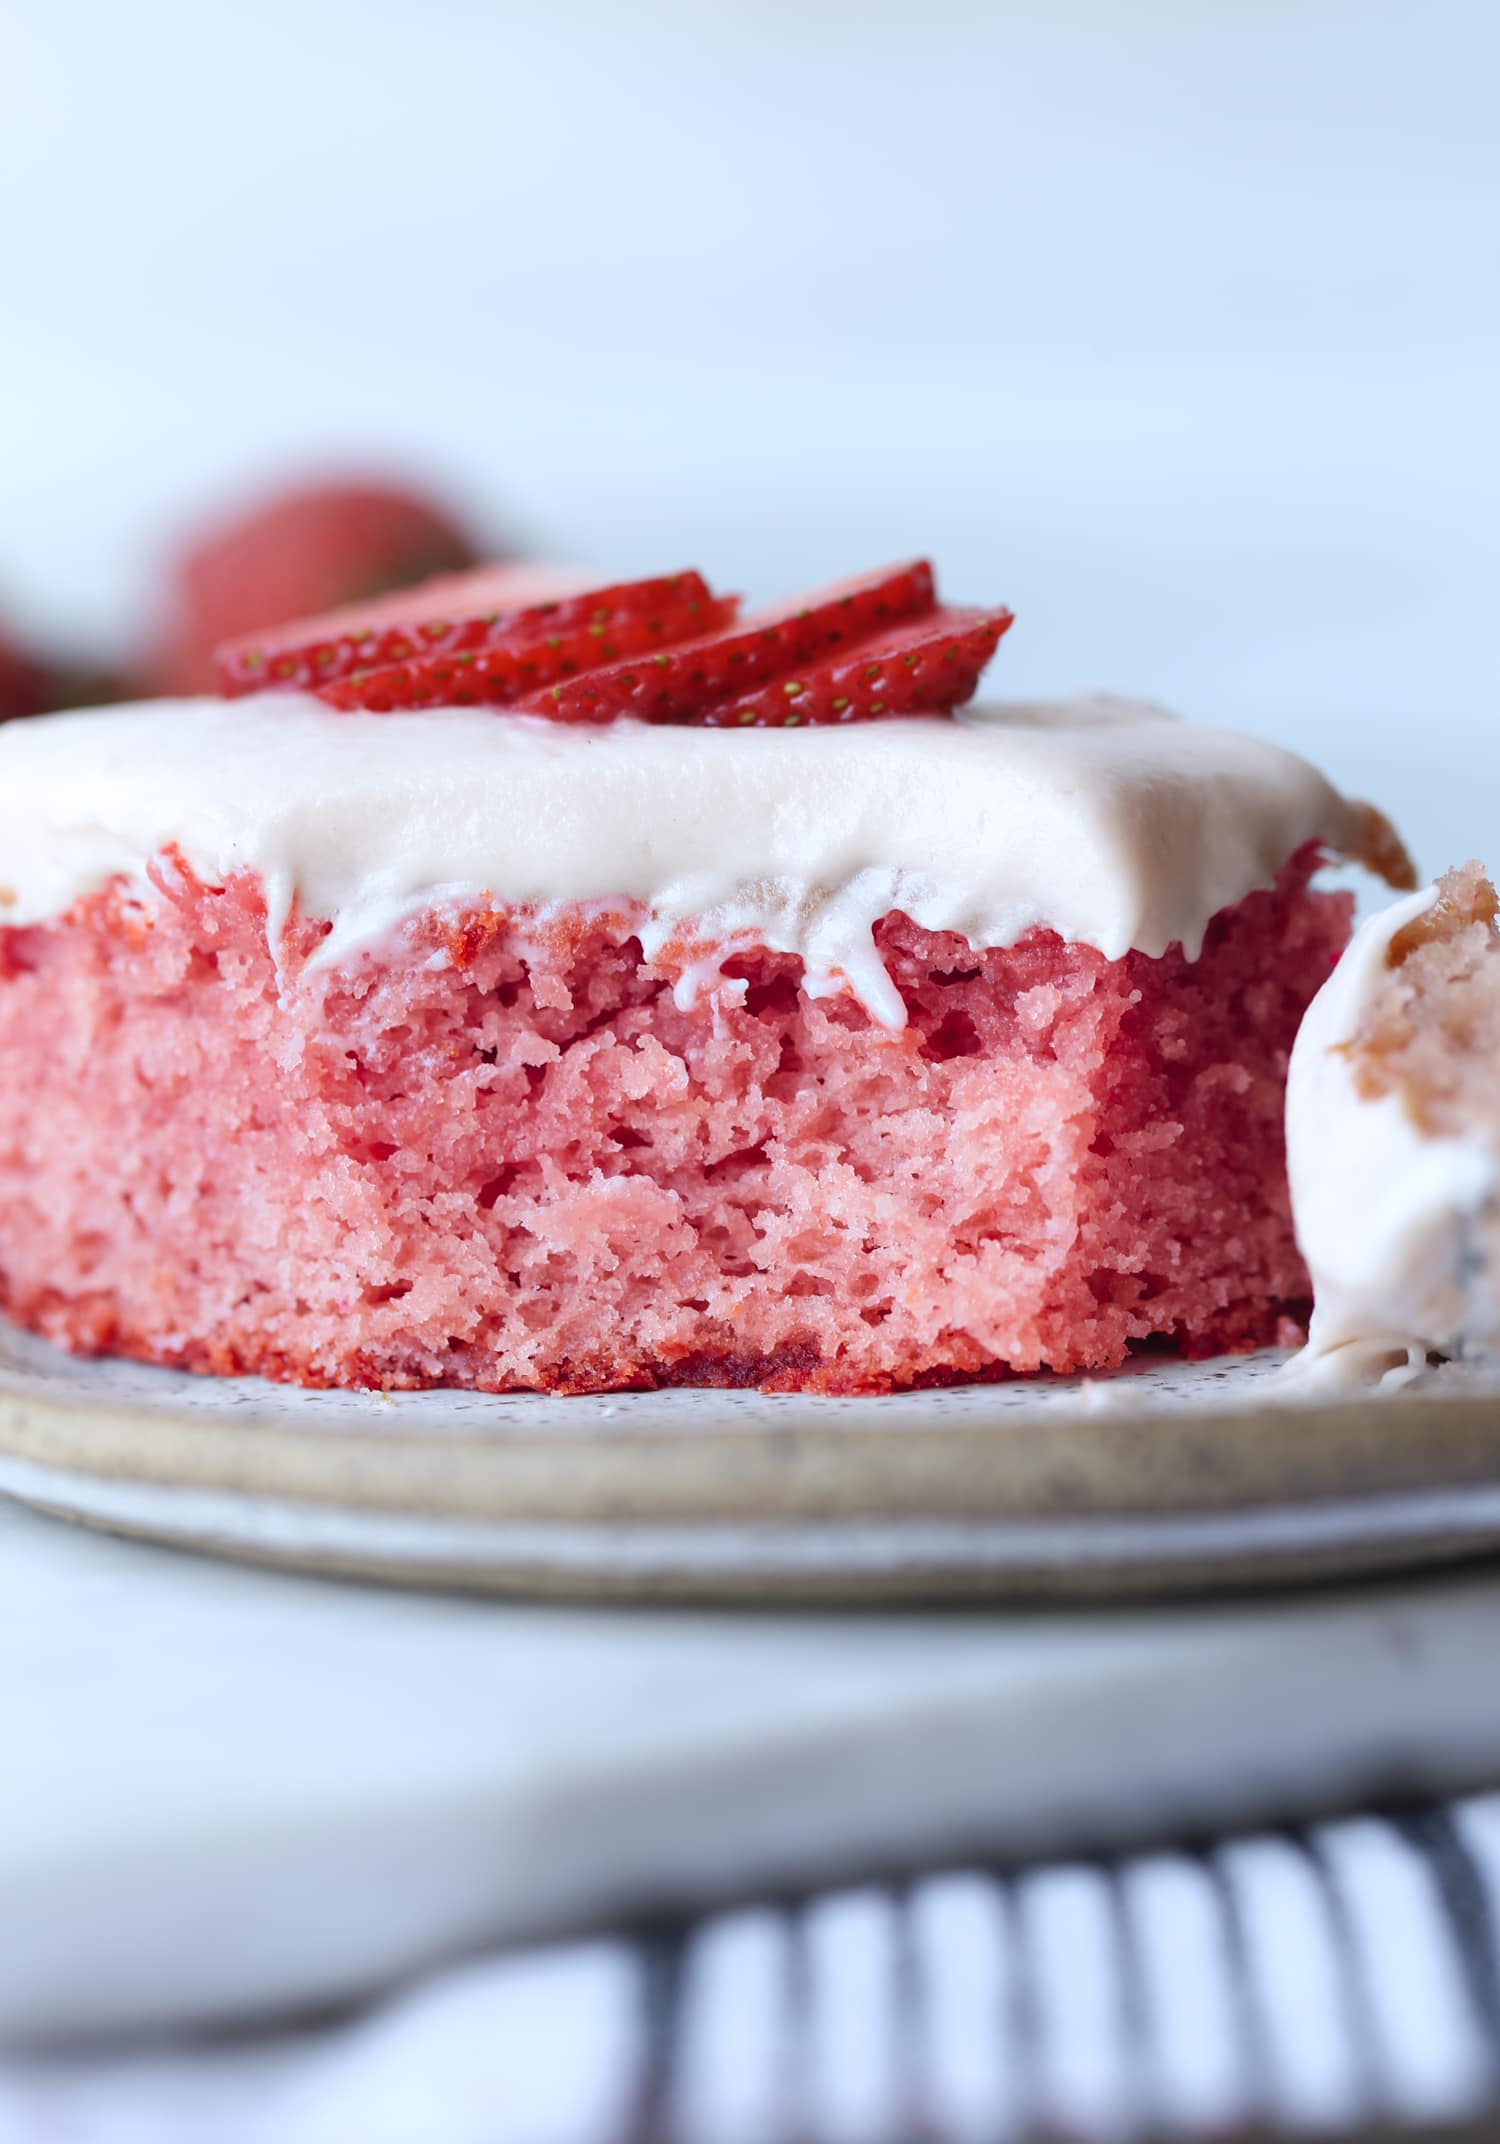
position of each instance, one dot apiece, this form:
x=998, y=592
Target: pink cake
x=463, y=1047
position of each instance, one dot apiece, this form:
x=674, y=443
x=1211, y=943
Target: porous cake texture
x=511, y=1153
x=1432, y=1033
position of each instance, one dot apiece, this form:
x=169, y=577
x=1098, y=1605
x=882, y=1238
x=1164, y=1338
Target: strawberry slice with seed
x=525, y=663
x=459, y=613
x=683, y=683
x=928, y=666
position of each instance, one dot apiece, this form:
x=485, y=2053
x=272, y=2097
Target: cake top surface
x=1105, y=820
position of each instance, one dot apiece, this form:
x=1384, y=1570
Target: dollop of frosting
x=1107, y=821
x=1384, y=1213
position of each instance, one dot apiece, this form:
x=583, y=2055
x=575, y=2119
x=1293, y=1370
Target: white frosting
x=1106, y=821
x=1383, y=1212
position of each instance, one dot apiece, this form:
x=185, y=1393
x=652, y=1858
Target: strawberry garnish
x=532, y=652
x=663, y=650
x=927, y=666
x=684, y=683
x=461, y=614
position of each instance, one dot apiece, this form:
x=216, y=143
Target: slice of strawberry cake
x=524, y=986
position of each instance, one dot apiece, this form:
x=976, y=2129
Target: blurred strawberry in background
x=305, y=549
x=26, y=685
x=301, y=551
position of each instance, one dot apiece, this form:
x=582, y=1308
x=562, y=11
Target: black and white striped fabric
x=1317, y=1982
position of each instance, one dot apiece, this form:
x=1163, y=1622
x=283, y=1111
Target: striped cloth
x=1315, y=1982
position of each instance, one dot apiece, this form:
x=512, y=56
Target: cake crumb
x=1432, y=1034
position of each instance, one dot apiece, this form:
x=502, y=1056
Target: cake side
x=511, y=1147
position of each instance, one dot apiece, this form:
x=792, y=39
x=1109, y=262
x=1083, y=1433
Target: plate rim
x=1098, y=1448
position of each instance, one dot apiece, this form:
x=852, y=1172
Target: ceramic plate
x=1168, y=1476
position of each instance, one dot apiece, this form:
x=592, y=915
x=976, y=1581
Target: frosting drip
x=1104, y=820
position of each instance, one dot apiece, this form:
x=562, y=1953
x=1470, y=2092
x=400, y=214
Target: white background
x=1176, y=326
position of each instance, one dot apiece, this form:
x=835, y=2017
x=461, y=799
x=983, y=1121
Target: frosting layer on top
x=1104, y=820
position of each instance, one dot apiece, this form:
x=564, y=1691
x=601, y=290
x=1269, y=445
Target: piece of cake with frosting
x=558, y=989
x=1393, y=1135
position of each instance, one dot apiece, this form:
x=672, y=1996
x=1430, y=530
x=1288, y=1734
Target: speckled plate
x=1169, y=1476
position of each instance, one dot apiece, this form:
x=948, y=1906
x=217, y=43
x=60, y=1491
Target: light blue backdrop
x=1175, y=325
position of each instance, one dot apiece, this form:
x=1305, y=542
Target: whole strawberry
x=310, y=549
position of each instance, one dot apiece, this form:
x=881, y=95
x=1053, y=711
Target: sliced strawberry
x=524, y=660
x=928, y=666
x=681, y=683
x=457, y=614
